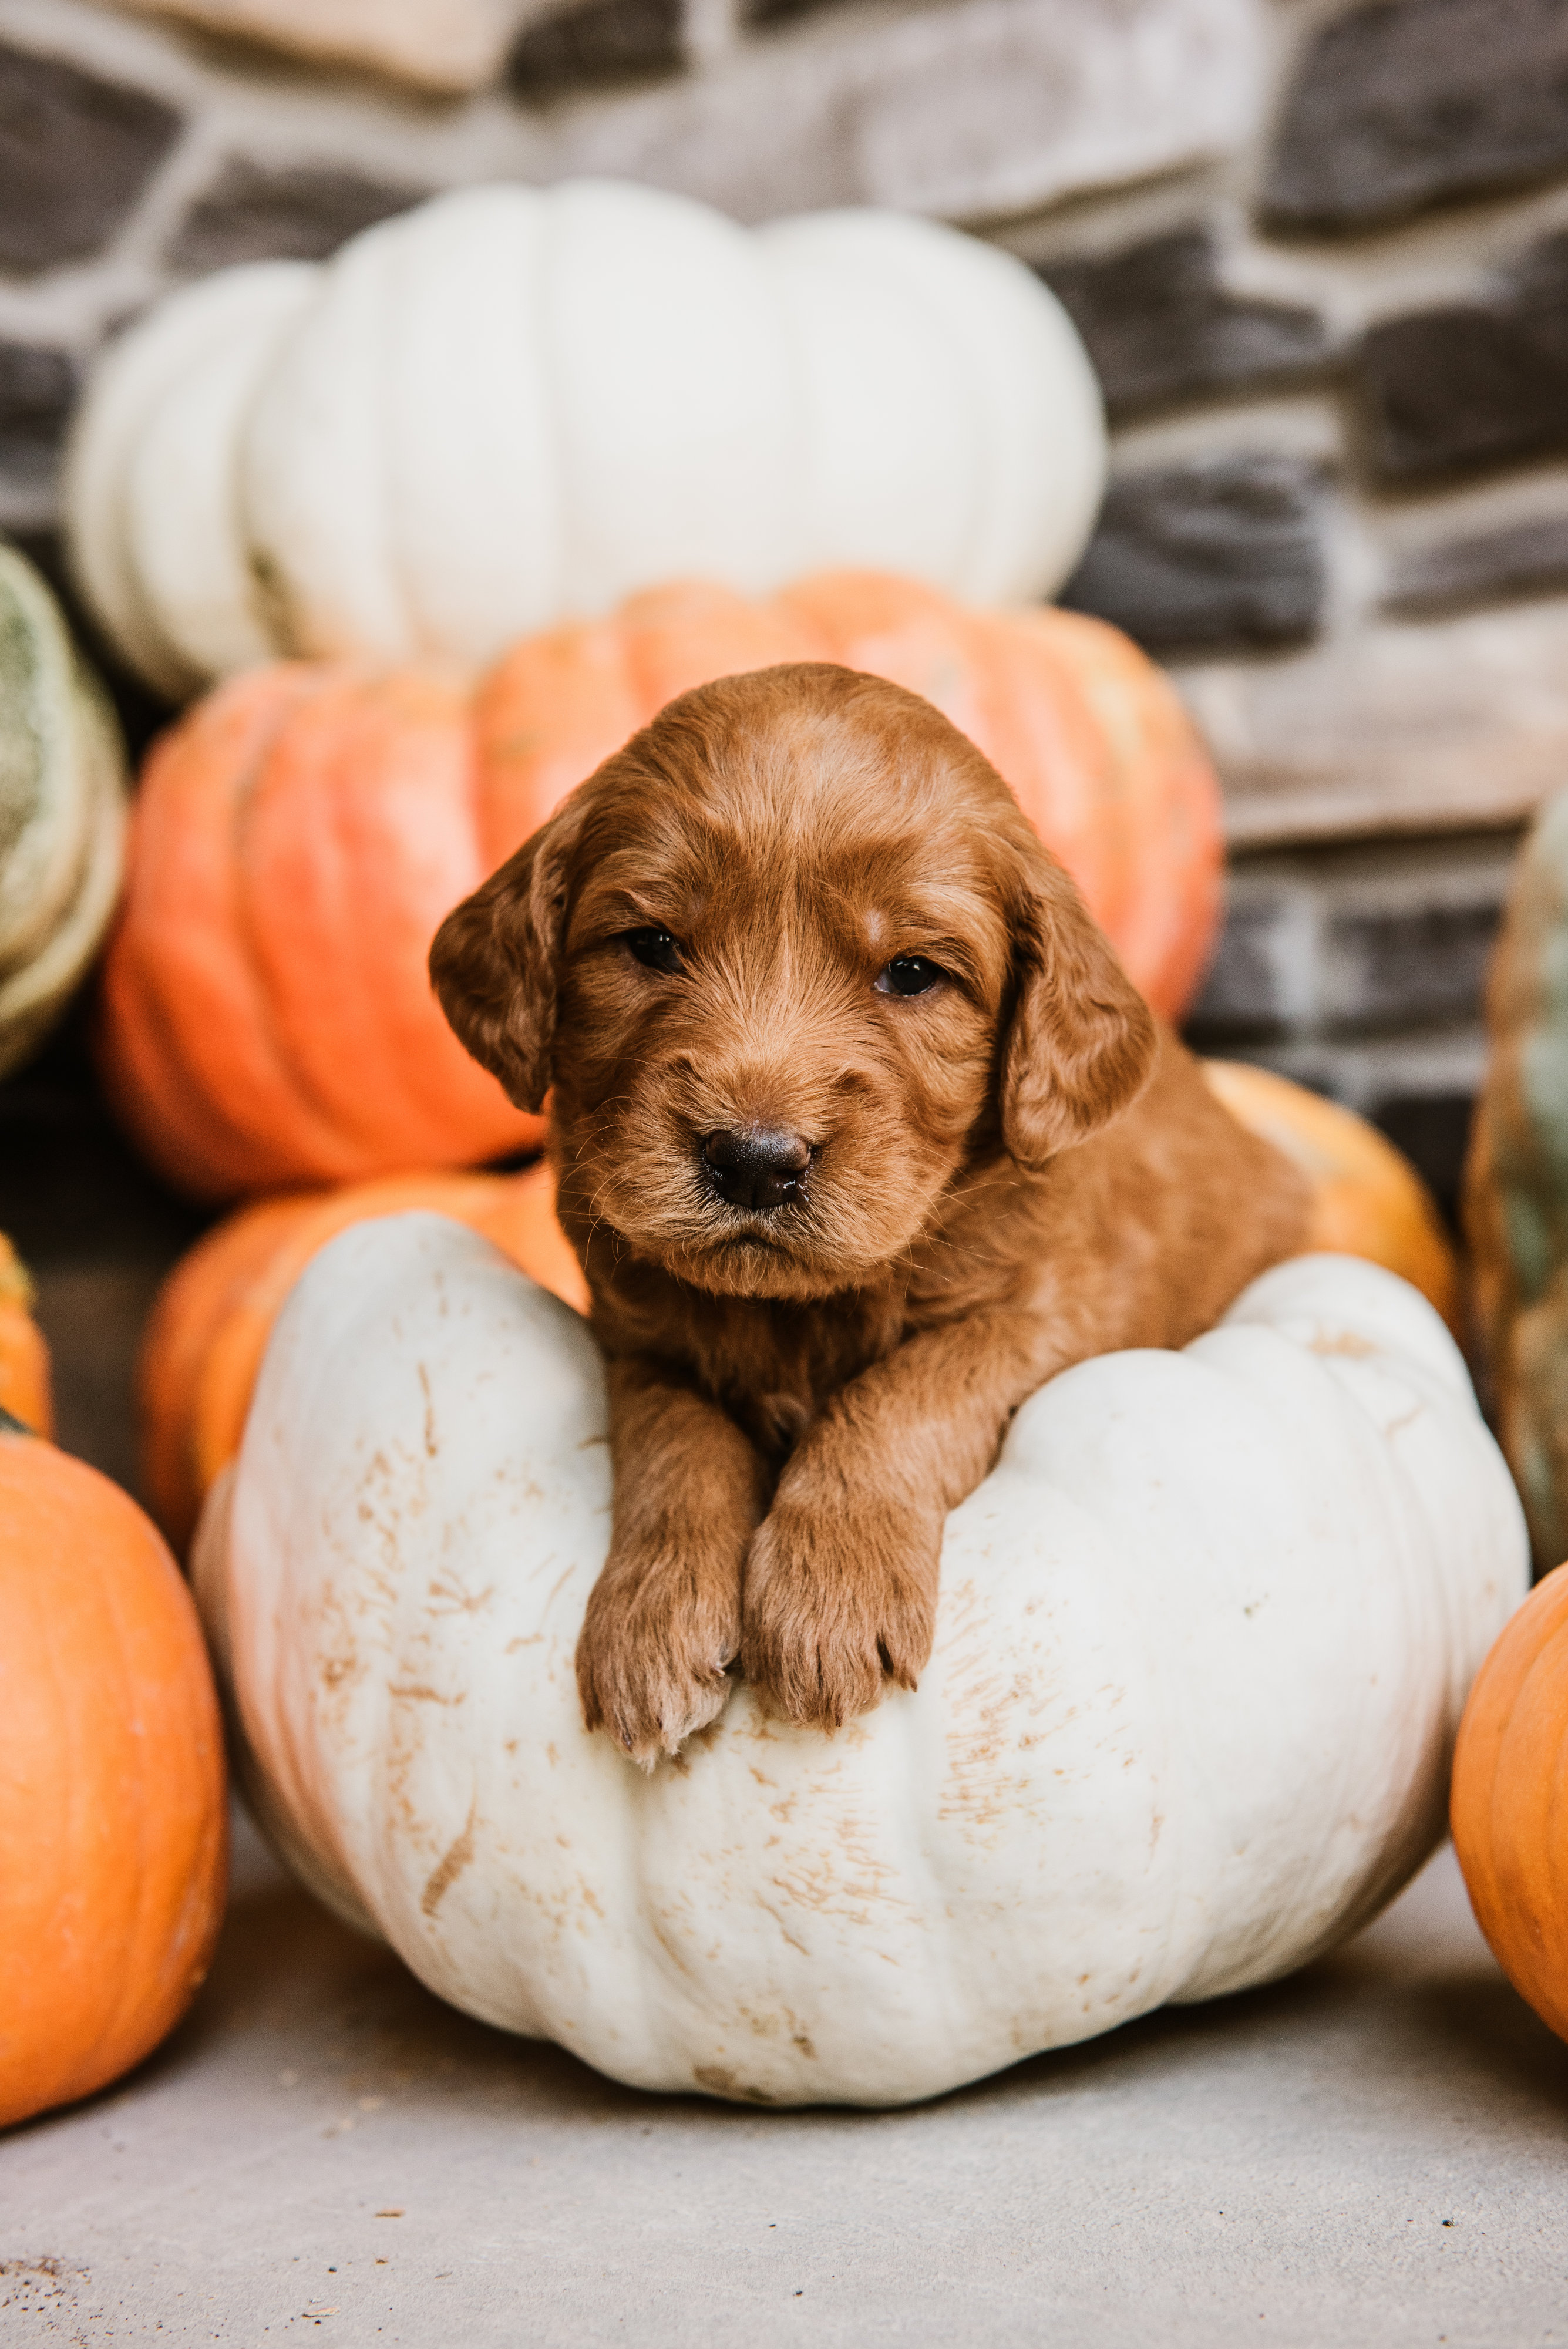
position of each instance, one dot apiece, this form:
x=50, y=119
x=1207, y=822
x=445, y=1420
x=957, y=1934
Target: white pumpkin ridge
x=509, y=407
x=1203, y=1639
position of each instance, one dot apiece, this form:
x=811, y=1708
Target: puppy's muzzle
x=760, y=1168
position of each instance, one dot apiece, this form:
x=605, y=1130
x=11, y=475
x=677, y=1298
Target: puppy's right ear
x=494, y=960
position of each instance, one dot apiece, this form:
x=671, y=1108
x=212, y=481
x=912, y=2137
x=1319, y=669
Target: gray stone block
x=1470, y=384
x=1406, y=967
x=446, y=46
x=1402, y=727
x=1526, y=558
x=1160, y=327
x=37, y=388
x=1263, y=979
x=76, y=152
x=967, y=110
x=597, y=43
x=1220, y=553
x=1410, y=103
x=761, y=12
x=1340, y=944
x=300, y=214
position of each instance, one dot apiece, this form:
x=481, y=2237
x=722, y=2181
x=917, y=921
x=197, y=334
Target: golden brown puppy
x=862, y=1134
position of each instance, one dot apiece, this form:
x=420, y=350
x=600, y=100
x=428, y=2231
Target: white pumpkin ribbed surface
x=511, y=406
x=1203, y=1639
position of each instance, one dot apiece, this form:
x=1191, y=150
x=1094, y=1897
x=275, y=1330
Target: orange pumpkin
x=24, y=1354
x=113, y=1820
x=1367, y=1198
x=300, y=834
x=209, y=1326
x=1509, y=1803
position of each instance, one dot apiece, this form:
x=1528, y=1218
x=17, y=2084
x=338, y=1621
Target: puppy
x=861, y=1133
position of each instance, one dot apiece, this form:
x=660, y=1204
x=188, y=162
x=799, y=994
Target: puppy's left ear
x=1082, y=1041
x=494, y=959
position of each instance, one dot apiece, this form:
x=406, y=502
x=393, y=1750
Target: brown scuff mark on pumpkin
x=417, y=1693
x=786, y=2023
x=432, y=1449
x=444, y=1875
x=769, y=1910
x=1345, y=1342
x=720, y=2081
x=446, y=1595
x=669, y=1946
x=814, y=1882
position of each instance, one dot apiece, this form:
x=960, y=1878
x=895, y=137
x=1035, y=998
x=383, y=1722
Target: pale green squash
x=62, y=812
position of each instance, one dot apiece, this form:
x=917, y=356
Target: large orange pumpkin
x=208, y=1328
x=24, y=1355
x=113, y=1822
x=298, y=837
x=1509, y=1803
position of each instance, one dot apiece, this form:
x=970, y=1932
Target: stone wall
x=1319, y=252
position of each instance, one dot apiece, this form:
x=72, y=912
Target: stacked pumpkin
x=357, y=465
x=511, y=406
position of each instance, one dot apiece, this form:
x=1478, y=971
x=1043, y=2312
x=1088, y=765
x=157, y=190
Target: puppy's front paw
x=833, y=1606
x=655, y=1641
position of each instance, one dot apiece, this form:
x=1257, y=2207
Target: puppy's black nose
x=758, y=1168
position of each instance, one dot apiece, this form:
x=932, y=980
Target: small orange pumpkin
x=266, y=1017
x=1509, y=1810
x=24, y=1389
x=209, y=1326
x=1367, y=1198
x=113, y=1818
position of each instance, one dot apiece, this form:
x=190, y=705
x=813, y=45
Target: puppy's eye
x=910, y=975
x=655, y=949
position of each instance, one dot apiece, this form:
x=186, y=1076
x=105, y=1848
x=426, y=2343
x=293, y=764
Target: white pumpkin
x=1203, y=1639
x=152, y=503
x=62, y=813
x=512, y=406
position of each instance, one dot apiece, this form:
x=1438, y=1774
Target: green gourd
x=62, y=812
x=1516, y=1183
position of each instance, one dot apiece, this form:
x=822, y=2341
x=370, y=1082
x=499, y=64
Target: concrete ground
x=1374, y=2152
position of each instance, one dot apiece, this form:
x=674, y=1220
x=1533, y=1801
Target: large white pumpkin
x=512, y=406
x=1203, y=1639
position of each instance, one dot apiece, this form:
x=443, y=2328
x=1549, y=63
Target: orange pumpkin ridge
x=187, y=1046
